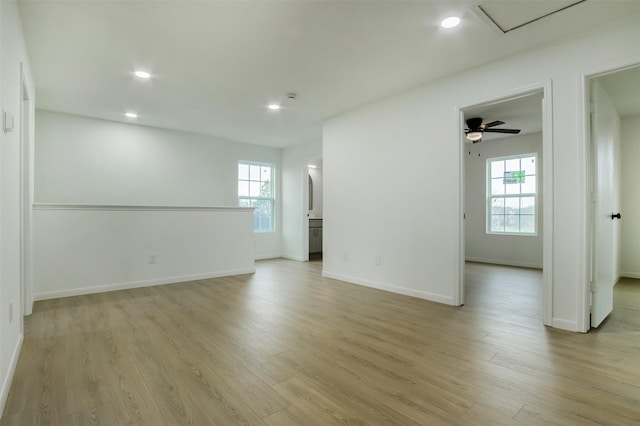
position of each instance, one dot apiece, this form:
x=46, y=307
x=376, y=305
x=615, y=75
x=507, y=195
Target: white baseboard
x=635, y=275
x=504, y=262
x=564, y=324
x=6, y=384
x=267, y=257
x=138, y=284
x=391, y=288
x=296, y=258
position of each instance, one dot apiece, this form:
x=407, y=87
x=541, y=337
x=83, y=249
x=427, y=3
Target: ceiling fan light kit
x=476, y=129
x=474, y=136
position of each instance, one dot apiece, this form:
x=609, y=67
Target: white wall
x=513, y=250
x=294, y=201
x=87, y=249
x=80, y=160
x=401, y=199
x=13, y=55
x=89, y=161
x=630, y=197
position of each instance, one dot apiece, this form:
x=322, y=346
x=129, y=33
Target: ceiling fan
x=476, y=129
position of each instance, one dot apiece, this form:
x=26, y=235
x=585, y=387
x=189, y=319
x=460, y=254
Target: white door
x=604, y=251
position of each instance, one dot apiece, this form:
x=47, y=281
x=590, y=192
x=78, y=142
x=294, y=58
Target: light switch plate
x=7, y=121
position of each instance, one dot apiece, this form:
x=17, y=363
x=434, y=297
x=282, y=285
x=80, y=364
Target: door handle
x=616, y=216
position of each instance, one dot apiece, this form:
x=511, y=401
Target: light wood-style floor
x=287, y=347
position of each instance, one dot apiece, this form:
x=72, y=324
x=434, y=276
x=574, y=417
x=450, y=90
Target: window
x=512, y=195
x=255, y=189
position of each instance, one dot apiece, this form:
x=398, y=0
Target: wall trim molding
x=504, y=262
x=447, y=300
x=6, y=385
x=139, y=284
x=106, y=207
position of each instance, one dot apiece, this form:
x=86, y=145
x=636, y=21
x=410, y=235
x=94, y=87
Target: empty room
x=319, y=212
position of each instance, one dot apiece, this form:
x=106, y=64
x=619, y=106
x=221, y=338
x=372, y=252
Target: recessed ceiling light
x=273, y=107
x=450, y=22
x=142, y=74
x=131, y=115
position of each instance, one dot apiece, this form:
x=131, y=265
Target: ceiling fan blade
x=512, y=131
x=494, y=123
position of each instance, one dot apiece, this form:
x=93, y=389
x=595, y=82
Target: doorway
x=507, y=220
x=314, y=209
x=613, y=120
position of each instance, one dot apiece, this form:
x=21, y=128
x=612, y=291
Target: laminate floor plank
x=481, y=414
x=291, y=416
x=316, y=404
x=286, y=346
x=168, y=389
x=344, y=384
x=130, y=398
x=225, y=405
x=104, y=415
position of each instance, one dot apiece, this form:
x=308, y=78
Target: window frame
x=490, y=196
x=271, y=199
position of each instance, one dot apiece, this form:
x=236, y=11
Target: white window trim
x=489, y=196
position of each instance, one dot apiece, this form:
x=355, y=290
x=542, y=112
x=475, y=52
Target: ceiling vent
x=508, y=16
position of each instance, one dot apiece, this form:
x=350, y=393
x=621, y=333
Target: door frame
x=584, y=290
x=26, y=194
x=547, y=182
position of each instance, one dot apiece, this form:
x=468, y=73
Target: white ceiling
x=216, y=64
x=623, y=87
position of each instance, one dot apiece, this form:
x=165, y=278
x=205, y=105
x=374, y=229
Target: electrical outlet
x=153, y=259
x=10, y=311
x=345, y=256
x=377, y=260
